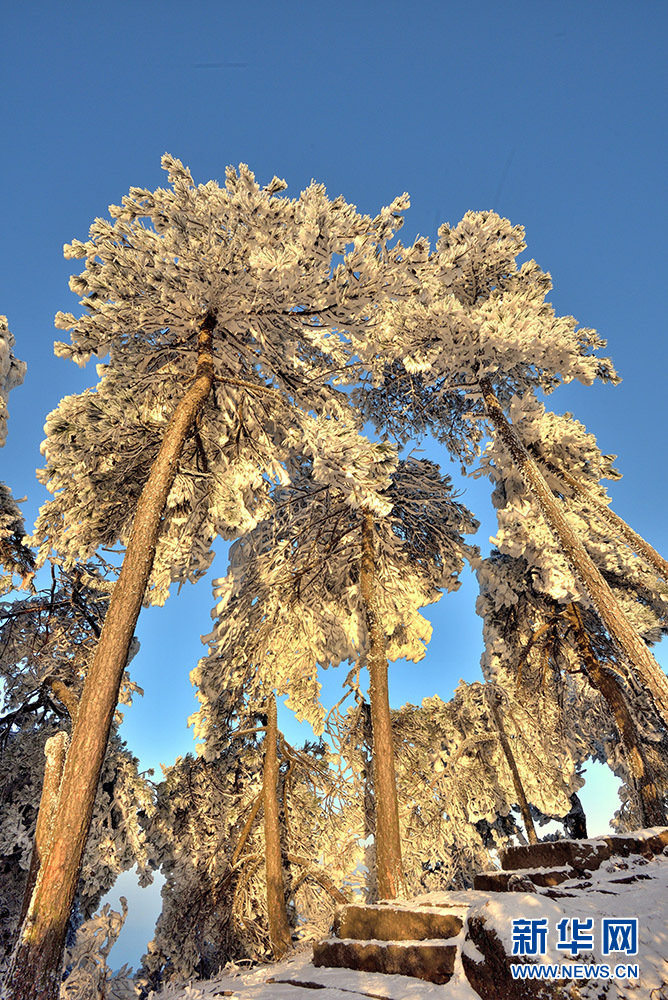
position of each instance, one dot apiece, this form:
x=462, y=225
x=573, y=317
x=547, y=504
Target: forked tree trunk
x=604, y=601
x=617, y=523
x=512, y=766
x=36, y=962
x=389, y=865
x=652, y=809
x=279, y=928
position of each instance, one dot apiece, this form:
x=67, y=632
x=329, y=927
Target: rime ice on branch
x=15, y=558
x=225, y=313
x=295, y=597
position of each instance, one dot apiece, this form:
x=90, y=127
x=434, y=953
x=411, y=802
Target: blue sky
x=551, y=113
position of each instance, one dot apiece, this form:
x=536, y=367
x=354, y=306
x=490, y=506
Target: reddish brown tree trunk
x=604, y=601
x=36, y=963
x=279, y=928
x=54, y=751
x=512, y=766
x=652, y=810
x=389, y=865
x=618, y=524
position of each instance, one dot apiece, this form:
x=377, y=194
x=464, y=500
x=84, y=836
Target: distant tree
x=476, y=333
x=15, y=557
x=535, y=645
x=559, y=442
x=223, y=312
x=487, y=770
x=455, y=791
x=209, y=838
x=339, y=572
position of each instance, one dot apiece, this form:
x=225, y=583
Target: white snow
x=597, y=896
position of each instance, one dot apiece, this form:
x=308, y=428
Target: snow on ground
x=643, y=894
x=263, y=983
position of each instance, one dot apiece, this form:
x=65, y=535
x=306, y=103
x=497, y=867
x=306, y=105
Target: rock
x=520, y=882
x=492, y=881
x=524, y=880
x=433, y=962
x=392, y=924
x=585, y=855
x=648, y=844
x=582, y=855
x=491, y=977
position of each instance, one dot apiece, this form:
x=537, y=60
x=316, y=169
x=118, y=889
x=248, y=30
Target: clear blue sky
x=551, y=113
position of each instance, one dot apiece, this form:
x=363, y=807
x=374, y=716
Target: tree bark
x=36, y=963
x=279, y=928
x=248, y=825
x=625, y=637
x=515, y=774
x=389, y=865
x=55, y=749
x=639, y=545
x=651, y=807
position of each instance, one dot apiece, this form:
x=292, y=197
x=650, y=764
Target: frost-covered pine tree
x=560, y=443
x=442, y=843
x=15, y=557
x=477, y=332
x=483, y=770
x=208, y=836
x=224, y=312
x=540, y=649
x=354, y=548
x=207, y=919
x=46, y=644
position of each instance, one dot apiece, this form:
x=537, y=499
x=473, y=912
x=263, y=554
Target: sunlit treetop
x=474, y=313
x=292, y=599
x=284, y=282
x=562, y=448
x=285, y=277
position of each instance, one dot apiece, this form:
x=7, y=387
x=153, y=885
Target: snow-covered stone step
x=522, y=880
x=395, y=923
x=433, y=961
x=586, y=855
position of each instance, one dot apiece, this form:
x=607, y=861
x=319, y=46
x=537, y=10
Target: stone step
x=433, y=961
x=383, y=923
x=585, y=855
x=523, y=880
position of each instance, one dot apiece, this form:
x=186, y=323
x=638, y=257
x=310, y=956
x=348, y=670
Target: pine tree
x=217, y=307
x=478, y=329
x=208, y=836
x=15, y=557
x=537, y=647
x=559, y=442
x=338, y=573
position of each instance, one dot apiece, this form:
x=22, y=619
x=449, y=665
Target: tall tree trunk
x=369, y=807
x=55, y=749
x=36, y=962
x=604, y=601
x=279, y=928
x=512, y=765
x=617, y=523
x=388, y=840
x=651, y=807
